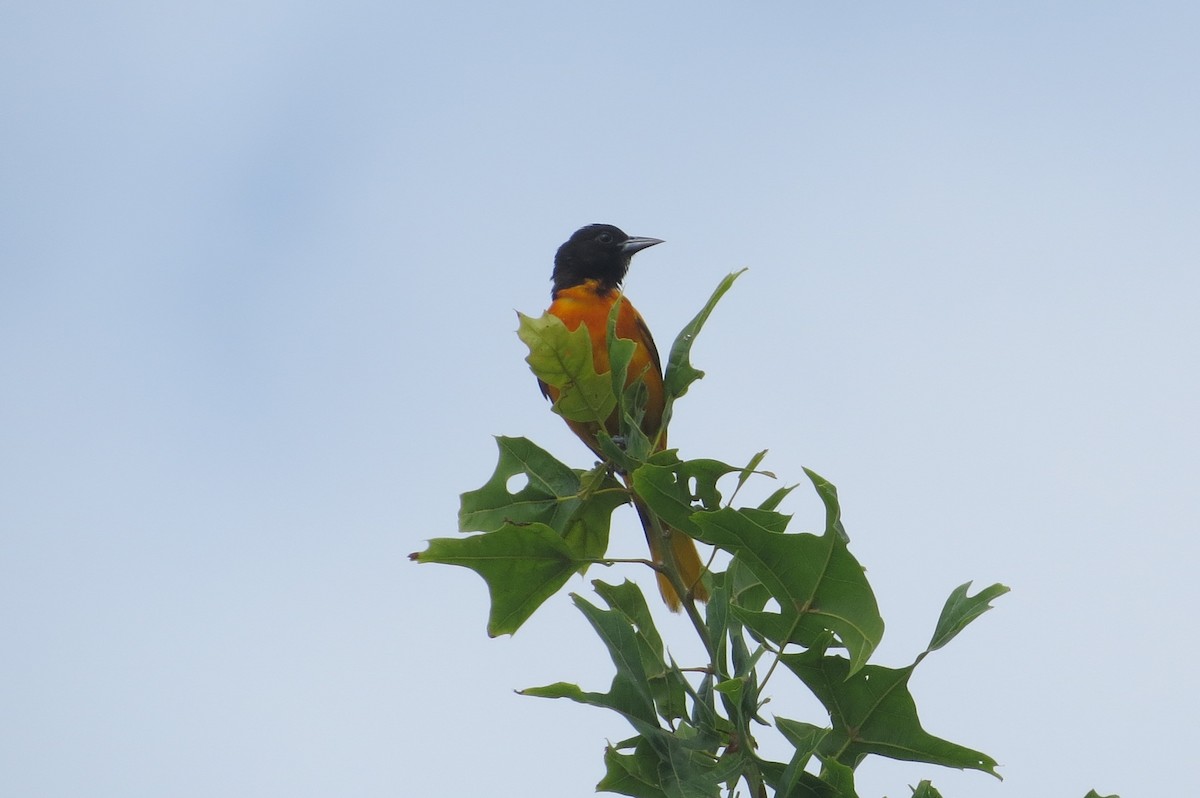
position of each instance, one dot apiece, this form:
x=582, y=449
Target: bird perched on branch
x=588, y=270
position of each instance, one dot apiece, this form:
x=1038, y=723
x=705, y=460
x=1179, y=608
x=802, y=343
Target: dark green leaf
x=577, y=504
x=833, y=510
x=807, y=575
x=522, y=565
x=667, y=684
x=636, y=447
x=838, y=776
x=632, y=394
x=550, y=495
x=732, y=688
x=805, y=738
x=716, y=617
x=680, y=372
x=627, y=599
x=873, y=712
x=960, y=610
x=675, y=489
x=749, y=470
x=587, y=528
x=661, y=765
x=630, y=693
x=746, y=589
x=773, y=501
x=1094, y=794
x=731, y=765
x=925, y=790
x=789, y=782
x=780, y=628
x=620, y=350
x=633, y=774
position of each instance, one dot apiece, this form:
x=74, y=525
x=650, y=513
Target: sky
x=259, y=264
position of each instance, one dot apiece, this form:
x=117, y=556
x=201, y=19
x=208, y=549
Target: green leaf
x=550, y=495
x=667, y=684
x=522, y=566
x=773, y=501
x=704, y=715
x=716, y=617
x=681, y=768
x=789, y=781
x=632, y=397
x=781, y=628
x=833, y=510
x=636, y=446
x=925, y=790
x=805, y=738
x=838, y=776
x=750, y=471
x=1094, y=794
x=563, y=359
x=873, y=712
x=576, y=504
x=960, y=610
x=633, y=774
x=588, y=527
x=630, y=692
x=808, y=575
x=661, y=765
x=627, y=599
x=732, y=688
x=680, y=372
x=620, y=350
x=746, y=589
x=675, y=489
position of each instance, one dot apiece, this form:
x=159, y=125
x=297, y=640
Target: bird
x=588, y=271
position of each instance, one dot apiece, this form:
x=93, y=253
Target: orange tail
x=683, y=551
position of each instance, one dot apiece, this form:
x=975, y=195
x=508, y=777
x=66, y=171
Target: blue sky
x=258, y=268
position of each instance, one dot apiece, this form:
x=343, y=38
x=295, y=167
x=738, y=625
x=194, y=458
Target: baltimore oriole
x=588, y=270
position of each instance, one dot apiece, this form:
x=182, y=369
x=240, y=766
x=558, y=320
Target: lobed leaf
x=873, y=712
x=680, y=373
x=630, y=692
x=716, y=618
x=550, y=495
x=633, y=774
x=807, y=575
x=833, y=510
x=773, y=501
x=523, y=565
x=805, y=738
x=667, y=684
x=674, y=489
x=576, y=504
x=562, y=358
x=839, y=777
x=960, y=610
x=680, y=771
x=588, y=527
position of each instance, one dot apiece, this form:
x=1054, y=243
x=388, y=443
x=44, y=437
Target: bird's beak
x=637, y=244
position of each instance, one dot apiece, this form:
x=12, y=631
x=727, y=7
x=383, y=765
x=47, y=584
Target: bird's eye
x=605, y=238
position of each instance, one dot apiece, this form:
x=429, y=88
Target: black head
x=597, y=252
